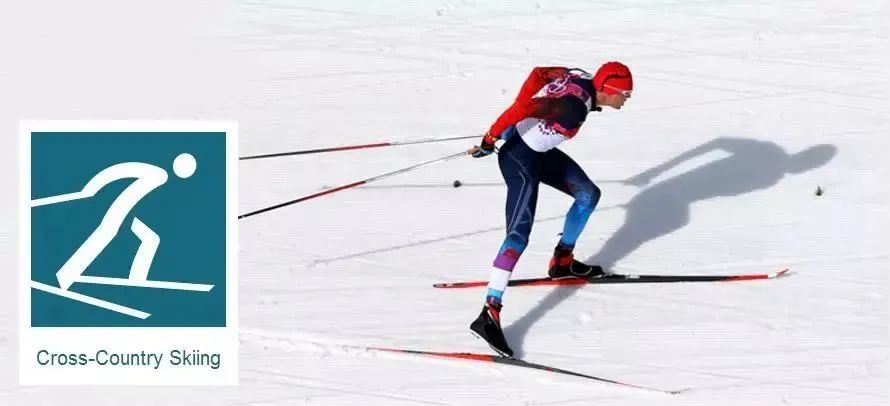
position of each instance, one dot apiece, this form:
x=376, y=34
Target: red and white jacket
x=550, y=108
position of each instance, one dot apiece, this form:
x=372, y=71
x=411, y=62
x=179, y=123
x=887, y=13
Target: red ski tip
x=758, y=276
x=456, y=355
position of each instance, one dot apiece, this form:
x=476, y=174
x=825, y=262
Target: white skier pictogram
x=147, y=178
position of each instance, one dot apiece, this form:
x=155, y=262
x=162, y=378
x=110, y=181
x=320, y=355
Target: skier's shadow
x=663, y=208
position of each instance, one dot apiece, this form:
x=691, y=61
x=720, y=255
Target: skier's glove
x=486, y=148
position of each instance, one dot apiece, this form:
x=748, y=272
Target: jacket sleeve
x=524, y=105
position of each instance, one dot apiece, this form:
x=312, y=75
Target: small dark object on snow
x=818, y=191
x=457, y=183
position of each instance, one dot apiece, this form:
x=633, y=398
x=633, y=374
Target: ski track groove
x=742, y=309
x=311, y=383
x=745, y=380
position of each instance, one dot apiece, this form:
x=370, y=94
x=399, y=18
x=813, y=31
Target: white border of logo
x=222, y=340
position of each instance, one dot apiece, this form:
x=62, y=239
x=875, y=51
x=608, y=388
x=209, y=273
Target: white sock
x=497, y=284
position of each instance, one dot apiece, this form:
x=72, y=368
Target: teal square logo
x=128, y=229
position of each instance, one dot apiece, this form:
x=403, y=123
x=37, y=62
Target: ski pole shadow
x=418, y=243
x=664, y=207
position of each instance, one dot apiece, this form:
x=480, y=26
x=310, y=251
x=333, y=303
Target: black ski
x=618, y=278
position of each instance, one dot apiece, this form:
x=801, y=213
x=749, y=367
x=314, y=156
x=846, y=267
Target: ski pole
x=359, y=146
x=354, y=184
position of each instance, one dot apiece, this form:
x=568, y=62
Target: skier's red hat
x=613, y=77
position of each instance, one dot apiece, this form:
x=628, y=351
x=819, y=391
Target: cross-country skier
x=550, y=108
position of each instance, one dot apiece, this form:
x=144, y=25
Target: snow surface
x=748, y=84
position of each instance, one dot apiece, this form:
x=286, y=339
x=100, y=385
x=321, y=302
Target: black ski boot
x=563, y=265
x=488, y=327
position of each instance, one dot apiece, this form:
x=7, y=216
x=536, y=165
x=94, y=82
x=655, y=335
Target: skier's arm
x=538, y=107
x=524, y=105
x=539, y=77
x=646, y=176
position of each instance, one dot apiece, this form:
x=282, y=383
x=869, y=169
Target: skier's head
x=184, y=165
x=613, y=83
x=811, y=158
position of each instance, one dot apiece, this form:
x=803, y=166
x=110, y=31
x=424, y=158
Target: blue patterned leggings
x=523, y=170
